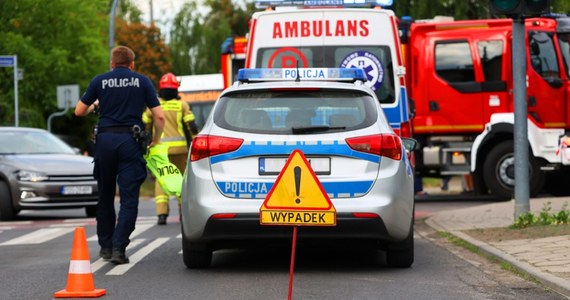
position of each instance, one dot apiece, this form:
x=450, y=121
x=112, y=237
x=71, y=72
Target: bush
x=545, y=217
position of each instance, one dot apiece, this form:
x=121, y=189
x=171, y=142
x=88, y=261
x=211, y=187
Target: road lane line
x=99, y=263
x=139, y=228
x=62, y=225
x=39, y=236
x=137, y=256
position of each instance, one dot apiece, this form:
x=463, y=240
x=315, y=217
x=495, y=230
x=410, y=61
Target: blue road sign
x=6, y=61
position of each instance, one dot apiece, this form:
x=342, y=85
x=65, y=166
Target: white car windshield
x=32, y=142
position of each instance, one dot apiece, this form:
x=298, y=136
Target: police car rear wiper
x=310, y=129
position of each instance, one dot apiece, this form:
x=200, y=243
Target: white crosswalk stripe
x=98, y=264
x=137, y=256
x=39, y=236
x=137, y=250
x=139, y=228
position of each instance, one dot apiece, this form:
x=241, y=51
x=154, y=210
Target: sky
x=163, y=12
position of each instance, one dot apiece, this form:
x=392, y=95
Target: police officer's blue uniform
x=122, y=96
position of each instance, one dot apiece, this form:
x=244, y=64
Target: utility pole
x=518, y=10
x=112, y=28
x=151, y=13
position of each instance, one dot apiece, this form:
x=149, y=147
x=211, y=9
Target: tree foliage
x=57, y=42
x=196, y=37
x=459, y=9
x=152, y=54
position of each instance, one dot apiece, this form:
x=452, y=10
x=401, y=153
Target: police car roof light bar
x=293, y=74
x=313, y=3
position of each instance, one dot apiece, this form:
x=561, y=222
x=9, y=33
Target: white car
x=338, y=124
x=40, y=171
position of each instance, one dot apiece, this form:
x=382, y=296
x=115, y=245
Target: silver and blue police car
x=338, y=124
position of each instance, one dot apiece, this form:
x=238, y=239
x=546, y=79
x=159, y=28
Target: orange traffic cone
x=80, y=279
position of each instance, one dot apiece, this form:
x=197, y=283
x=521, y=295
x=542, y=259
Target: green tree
x=196, y=38
x=57, y=42
x=152, y=54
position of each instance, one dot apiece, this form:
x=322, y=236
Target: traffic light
x=519, y=8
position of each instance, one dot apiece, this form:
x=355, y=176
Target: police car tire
x=401, y=255
x=195, y=259
x=498, y=155
x=7, y=211
x=195, y=256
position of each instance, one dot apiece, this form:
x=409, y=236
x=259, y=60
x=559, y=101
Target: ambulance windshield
x=374, y=60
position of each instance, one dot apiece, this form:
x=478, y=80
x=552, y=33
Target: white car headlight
x=33, y=176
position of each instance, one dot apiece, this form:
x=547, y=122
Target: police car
x=337, y=123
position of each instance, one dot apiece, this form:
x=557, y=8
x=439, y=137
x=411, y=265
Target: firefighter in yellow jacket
x=179, y=129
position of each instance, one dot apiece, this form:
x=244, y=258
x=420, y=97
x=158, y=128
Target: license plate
x=76, y=190
x=274, y=165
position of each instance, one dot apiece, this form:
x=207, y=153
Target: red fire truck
x=459, y=76
x=233, y=58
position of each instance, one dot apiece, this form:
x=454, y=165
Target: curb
x=554, y=283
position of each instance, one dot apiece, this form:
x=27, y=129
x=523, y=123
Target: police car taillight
x=387, y=145
x=301, y=74
x=312, y=3
x=209, y=145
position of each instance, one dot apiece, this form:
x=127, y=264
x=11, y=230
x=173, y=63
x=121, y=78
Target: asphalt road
x=35, y=252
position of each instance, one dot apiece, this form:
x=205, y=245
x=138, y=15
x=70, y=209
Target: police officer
x=121, y=96
x=180, y=127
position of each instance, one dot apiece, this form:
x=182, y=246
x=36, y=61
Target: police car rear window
x=376, y=61
x=295, y=112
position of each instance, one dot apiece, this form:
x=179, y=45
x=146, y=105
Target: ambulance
x=339, y=34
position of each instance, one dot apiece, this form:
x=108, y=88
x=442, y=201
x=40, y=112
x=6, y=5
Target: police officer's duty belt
x=118, y=129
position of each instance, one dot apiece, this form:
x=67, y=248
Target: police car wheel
x=195, y=256
x=401, y=255
x=195, y=259
x=7, y=212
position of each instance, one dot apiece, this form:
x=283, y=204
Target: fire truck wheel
x=499, y=172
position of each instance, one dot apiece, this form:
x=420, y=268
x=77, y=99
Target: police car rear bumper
x=246, y=229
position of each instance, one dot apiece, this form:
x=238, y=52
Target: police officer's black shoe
x=106, y=253
x=118, y=257
x=162, y=219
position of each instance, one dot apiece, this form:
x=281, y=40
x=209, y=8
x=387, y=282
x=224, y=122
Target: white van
x=339, y=36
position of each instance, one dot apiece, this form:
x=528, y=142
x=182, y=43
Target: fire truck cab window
x=564, y=42
x=453, y=62
x=543, y=54
x=491, y=54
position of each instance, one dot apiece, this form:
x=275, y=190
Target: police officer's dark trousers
x=118, y=160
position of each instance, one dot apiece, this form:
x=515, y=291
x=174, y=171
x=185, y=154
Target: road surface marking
x=39, y=236
x=137, y=256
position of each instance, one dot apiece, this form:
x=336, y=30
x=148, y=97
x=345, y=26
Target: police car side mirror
x=409, y=144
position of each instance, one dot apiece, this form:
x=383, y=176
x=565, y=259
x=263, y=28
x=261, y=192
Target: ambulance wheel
x=499, y=172
x=7, y=212
x=401, y=255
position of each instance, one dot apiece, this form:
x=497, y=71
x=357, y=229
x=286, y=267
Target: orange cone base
x=83, y=294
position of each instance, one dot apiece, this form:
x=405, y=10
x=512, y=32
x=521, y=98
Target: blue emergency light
x=298, y=74
x=312, y=3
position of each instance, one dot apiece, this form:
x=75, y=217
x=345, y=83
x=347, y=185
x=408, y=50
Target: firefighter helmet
x=169, y=81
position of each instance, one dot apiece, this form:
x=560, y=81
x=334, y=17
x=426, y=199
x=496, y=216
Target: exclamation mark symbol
x=297, y=171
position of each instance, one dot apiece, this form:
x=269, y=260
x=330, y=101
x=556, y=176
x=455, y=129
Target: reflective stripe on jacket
x=176, y=113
